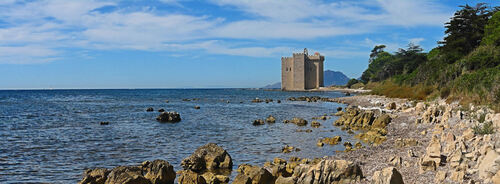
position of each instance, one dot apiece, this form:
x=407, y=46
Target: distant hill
x=335, y=78
x=330, y=78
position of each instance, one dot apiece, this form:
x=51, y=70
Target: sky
x=201, y=44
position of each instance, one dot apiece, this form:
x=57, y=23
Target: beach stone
x=270, y=119
x=190, y=177
x=150, y=109
x=389, y=175
x=249, y=174
x=126, y=175
x=171, y=117
x=158, y=172
x=208, y=157
x=258, y=122
x=328, y=171
x=299, y=121
x=95, y=176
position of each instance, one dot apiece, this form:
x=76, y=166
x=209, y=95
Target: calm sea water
x=54, y=135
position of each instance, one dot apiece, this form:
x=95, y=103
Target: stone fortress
x=302, y=71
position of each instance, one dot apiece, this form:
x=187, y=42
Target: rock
x=347, y=94
x=299, y=121
x=306, y=130
x=166, y=101
x=286, y=121
x=95, y=176
x=161, y=110
x=457, y=176
x=190, y=177
x=328, y=171
x=288, y=149
x=248, y=174
x=382, y=121
x=186, y=99
x=358, y=145
x=126, y=175
x=169, y=117
x=420, y=107
x=158, y=171
x=196, y=107
x=455, y=158
x=279, y=101
x=489, y=165
x=339, y=108
x=104, y=123
x=315, y=124
x=496, y=178
x=150, y=109
x=389, y=175
x=348, y=146
x=339, y=113
x=258, y=122
x=212, y=178
x=496, y=120
x=396, y=161
x=257, y=100
x=270, y=119
x=440, y=177
x=320, y=144
x=391, y=106
x=208, y=157
x=411, y=153
x=433, y=151
x=468, y=134
x=331, y=140
x=418, y=121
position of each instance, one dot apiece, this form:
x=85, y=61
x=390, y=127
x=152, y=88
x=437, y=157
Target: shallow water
x=54, y=135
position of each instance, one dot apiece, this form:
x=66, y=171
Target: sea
x=54, y=135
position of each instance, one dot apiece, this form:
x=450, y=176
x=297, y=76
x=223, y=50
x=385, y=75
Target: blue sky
x=200, y=44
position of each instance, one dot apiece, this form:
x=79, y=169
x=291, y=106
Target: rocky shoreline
x=406, y=142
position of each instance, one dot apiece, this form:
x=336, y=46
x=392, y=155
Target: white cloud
x=47, y=26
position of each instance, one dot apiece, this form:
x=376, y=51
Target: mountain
x=330, y=78
x=334, y=78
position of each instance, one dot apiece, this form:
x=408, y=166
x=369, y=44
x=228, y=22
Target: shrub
x=484, y=128
x=351, y=82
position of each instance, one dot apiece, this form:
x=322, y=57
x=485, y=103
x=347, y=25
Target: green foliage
x=484, y=128
x=351, y=82
x=492, y=31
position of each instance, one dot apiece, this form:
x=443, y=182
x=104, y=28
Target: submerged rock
x=104, y=123
x=150, y=109
x=196, y=107
x=171, y=117
x=270, y=119
x=161, y=110
x=299, y=121
x=258, y=122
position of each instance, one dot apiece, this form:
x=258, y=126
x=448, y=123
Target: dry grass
x=393, y=90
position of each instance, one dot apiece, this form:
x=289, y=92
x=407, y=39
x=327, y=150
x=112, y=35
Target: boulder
x=95, y=176
x=258, y=122
x=382, y=121
x=150, y=109
x=171, y=117
x=158, y=171
x=270, y=119
x=328, y=171
x=433, y=154
x=208, y=157
x=190, y=177
x=126, y=175
x=389, y=175
x=249, y=174
x=299, y=121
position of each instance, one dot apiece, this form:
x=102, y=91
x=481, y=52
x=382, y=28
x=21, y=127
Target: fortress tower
x=302, y=71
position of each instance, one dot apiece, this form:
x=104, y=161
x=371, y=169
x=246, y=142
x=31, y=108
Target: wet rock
x=339, y=108
x=257, y=100
x=208, y=157
x=95, y=176
x=340, y=113
x=196, y=107
x=358, y=145
x=161, y=110
x=171, y=117
x=270, y=119
x=331, y=140
x=126, y=175
x=286, y=121
x=278, y=101
x=190, y=177
x=150, y=109
x=104, y=123
x=248, y=174
x=258, y=122
x=158, y=171
x=299, y=121
x=306, y=130
x=389, y=175
x=328, y=171
x=186, y=100
x=348, y=146
x=315, y=124
x=347, y=94
x=289, y=149
x=166, y=101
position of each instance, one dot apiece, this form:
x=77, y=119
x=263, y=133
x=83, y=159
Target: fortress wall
x=310, y=75
x=286, y=73
x=298, y=72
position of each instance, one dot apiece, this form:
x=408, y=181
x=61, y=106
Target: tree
x=375, y=52
x=492, y=31
x=465, y=31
